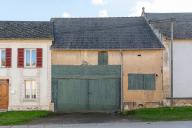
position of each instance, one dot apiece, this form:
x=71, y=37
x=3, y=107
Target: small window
x=30, y=89
x=103, y=58
x=141, y=81
x=2, y=58
x=30, y=58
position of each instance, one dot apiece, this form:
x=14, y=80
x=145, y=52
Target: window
x=2, y=58
x=30, y=57
x=141, y=81
x=103, y=58
x=30, y=89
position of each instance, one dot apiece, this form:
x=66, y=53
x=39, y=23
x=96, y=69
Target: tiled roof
x=104, y=33
x=182, y=24
x=25, y=29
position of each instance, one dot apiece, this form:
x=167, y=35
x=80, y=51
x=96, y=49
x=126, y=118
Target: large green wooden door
x=104, y=94
x=86, y=88
x=72, y=95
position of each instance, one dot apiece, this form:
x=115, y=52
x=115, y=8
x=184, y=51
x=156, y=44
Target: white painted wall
x=17, y=76
x=182, y=68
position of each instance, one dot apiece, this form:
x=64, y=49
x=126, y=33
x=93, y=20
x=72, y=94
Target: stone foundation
x=181, y=101
x=147, y=104
x=29, y=108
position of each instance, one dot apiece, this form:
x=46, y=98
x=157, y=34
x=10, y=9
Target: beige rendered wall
x=150, y=62
x=61, y=57
x=134, y=61
x=166, y=67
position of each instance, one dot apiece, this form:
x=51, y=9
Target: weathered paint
x=86, y=87
x=134, y=61
x=143, y=62
x=181, y=71
x=181, y=68
x=17, y=76
x=74, y=57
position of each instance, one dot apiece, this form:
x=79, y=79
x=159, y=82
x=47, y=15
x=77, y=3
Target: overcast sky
x=45, y=9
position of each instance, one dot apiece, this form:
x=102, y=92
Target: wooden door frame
x=6, y=79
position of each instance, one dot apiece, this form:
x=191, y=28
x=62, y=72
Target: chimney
x=143, y=11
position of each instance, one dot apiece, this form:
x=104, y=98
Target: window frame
x=103, y=62
x=143, y=80
x=30, y=59
x=31, y=92
x=2, y=66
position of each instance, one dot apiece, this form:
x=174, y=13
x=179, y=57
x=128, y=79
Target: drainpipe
x=122, y=108
x=172, y=23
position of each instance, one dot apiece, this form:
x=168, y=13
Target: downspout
x=122, y=96
x=172, y=23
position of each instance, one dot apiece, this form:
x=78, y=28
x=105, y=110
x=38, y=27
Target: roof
x=25, y=29
x=182, y=24
x=104, y=33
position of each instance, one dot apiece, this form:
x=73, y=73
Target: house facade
x=25, y=65
x=182, y=46
x=93, y=64
x=106, y=64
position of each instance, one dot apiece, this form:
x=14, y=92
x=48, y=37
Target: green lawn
x=160, y=114
x=20, y=117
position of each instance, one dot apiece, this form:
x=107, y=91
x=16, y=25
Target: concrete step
x=3, y=110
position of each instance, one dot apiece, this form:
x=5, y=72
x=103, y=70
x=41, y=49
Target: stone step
x=3, y=110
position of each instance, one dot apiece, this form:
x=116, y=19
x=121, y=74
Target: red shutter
x=8, y=57
x=20, y=58
x=39, y=57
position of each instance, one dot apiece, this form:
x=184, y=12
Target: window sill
x=30, y=100
x=30, y=66
x=141, y=90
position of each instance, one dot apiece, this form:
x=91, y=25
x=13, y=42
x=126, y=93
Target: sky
x=43, y=10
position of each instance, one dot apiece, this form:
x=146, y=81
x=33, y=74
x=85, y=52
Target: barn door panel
x=72, y=95
x=104, y=94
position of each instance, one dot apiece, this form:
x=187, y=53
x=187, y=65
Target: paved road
x=97, y=120
x=185, y=124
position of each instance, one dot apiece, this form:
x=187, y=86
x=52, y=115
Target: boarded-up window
x=103, y=58
x=141, y=81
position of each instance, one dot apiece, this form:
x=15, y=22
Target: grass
x=20, y=117
x=160, y=114
x=145, y=114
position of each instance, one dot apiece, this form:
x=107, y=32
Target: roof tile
x=104, y=33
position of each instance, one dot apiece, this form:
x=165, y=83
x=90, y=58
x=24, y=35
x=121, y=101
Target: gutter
x=126, y=49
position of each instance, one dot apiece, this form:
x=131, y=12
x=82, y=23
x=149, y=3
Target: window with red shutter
x=2, y=58
x=20, y=58
x=30, y=58
x=39, y=57
x=8, y=57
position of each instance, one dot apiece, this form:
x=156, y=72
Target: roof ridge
x=94, y=17
x=21, y=21
x=168, y=12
